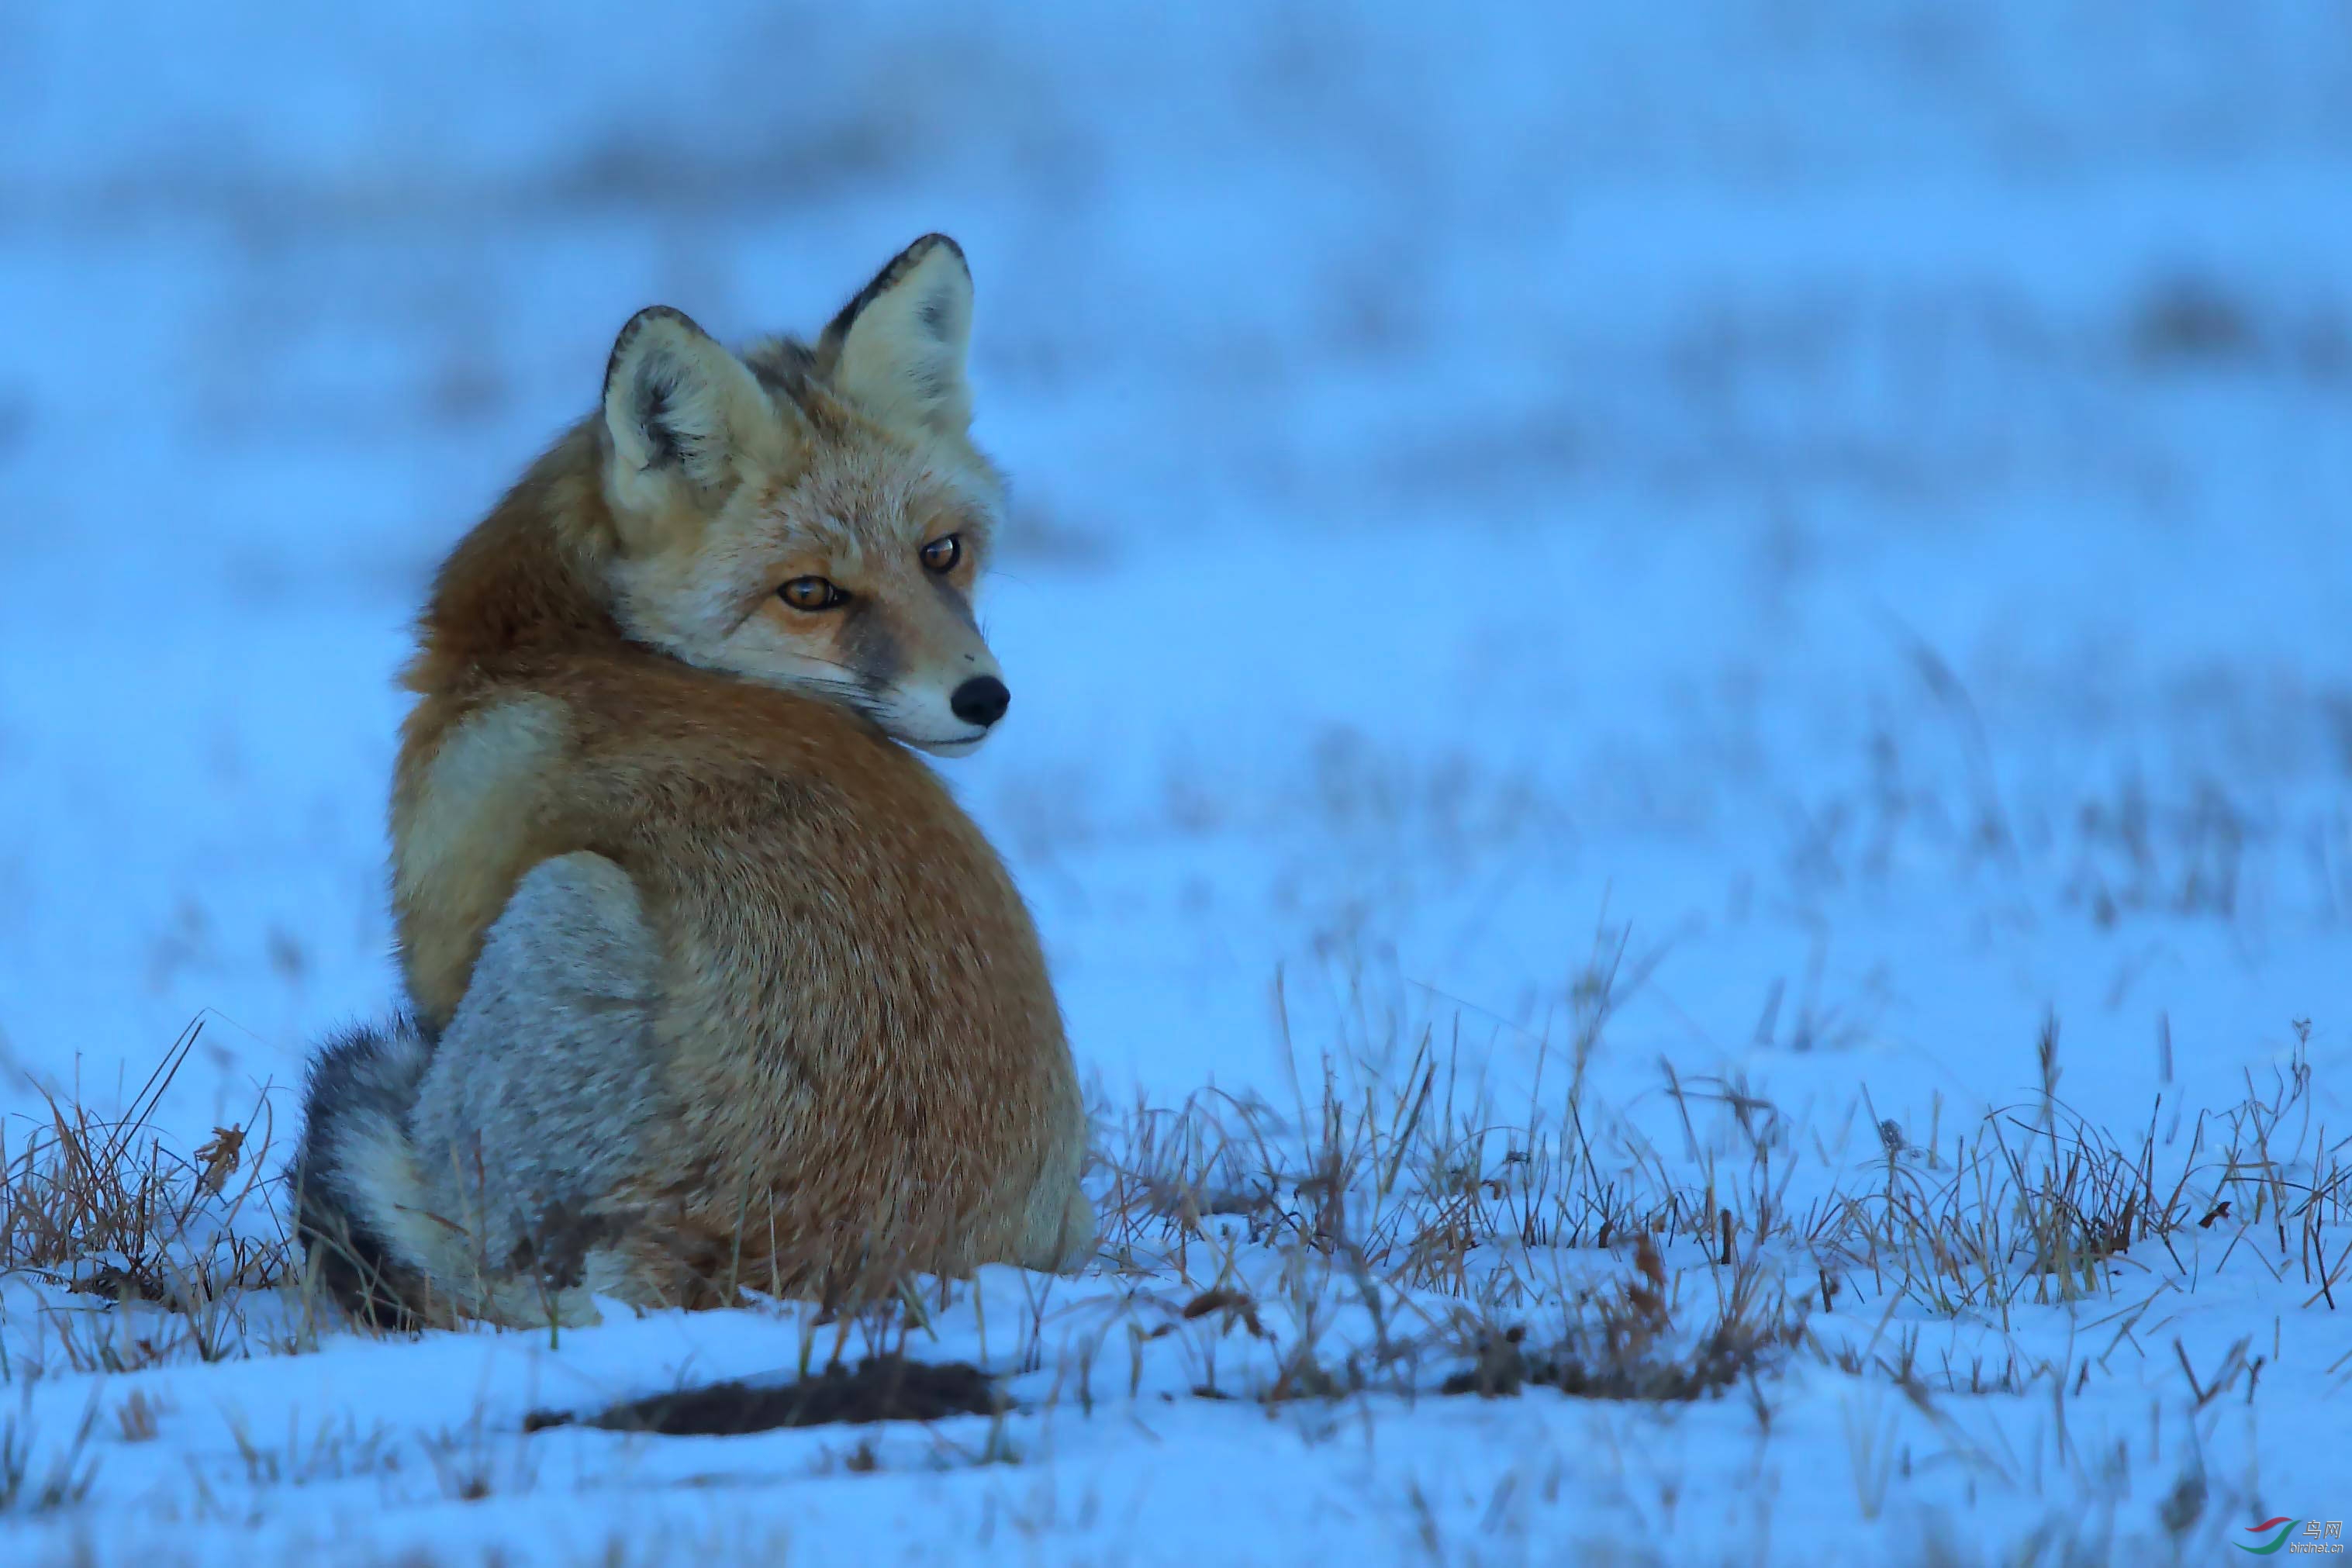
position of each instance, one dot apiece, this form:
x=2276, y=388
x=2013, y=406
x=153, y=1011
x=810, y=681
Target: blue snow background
x=1858, y=493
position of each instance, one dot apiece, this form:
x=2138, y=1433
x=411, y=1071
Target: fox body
x=712, y=982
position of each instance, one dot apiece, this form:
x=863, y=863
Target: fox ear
x=897, y=349
x=676, y=403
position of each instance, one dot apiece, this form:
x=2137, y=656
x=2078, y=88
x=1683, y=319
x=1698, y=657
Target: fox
x=710, y=983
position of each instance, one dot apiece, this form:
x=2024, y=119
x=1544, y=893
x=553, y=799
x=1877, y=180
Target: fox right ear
x=898, y=347
x=676, y=404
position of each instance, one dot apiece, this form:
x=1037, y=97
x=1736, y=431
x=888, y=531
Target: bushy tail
x=358, y=1193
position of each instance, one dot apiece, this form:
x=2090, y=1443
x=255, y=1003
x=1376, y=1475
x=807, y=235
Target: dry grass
x=1559, y=1247
x=112, y=1209
x=1392, y=1236
x=61, y=1481
x=1501, y=1254
x=2035, y=1205
x=1392, y=1231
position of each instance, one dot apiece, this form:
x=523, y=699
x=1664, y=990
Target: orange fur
x=854, y=1011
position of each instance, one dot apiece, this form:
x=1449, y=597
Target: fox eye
x=943, y=554
x=812, y=593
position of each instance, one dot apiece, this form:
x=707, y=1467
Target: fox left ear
x=676, y=403
x=897, y=349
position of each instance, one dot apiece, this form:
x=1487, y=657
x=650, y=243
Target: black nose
x=982, y=699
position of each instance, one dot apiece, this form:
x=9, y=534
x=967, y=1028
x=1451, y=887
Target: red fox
x=712, y=983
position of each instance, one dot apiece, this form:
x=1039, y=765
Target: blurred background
x=1835, y=483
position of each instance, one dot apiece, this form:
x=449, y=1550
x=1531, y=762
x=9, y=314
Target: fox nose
x=981, y=701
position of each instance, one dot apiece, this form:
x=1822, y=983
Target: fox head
x=813, y=518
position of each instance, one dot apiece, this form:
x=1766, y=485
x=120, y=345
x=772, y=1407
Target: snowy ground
x=1731, y=571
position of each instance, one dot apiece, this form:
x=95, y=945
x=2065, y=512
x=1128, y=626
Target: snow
x=1850, y=501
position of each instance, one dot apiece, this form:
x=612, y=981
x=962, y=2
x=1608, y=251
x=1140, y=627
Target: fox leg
x=1057, y=1230
x=1061, y=1233
x=491, y=1192
x=535, y=1111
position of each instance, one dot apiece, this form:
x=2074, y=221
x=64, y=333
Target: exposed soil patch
x=883, y=1388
